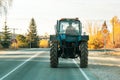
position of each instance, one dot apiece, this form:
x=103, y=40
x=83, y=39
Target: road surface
x=33, y=64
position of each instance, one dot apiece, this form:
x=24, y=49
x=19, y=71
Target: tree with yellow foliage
x=97, y=39
x=44, y=43
x=116, y=31
x=21, y=41
x=95, y=36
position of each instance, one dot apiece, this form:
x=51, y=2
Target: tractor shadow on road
x=67, y=65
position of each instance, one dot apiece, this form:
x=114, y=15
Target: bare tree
x=4, y=6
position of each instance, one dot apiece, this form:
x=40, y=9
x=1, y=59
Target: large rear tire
x=84, y=55
x=53, y=55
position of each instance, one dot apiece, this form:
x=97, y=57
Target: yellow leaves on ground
x=44, y=43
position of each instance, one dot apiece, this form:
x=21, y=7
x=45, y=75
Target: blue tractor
x=68, y=42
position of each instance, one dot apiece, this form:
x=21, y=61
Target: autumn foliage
x=99, y=40
x=44, y=43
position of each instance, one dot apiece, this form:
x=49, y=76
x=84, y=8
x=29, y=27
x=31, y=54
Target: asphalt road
x=33, y=64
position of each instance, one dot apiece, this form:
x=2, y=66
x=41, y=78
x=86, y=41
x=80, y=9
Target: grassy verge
x=8, y=49
x=114, y=53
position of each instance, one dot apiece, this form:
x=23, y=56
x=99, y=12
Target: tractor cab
x=64, y=24
x=69, y=29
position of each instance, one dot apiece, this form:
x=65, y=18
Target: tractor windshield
x=66, y=25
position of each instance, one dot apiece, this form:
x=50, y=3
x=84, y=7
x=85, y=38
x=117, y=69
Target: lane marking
x=84, y=74
x=20, y=66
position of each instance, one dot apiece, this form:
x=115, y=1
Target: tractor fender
x=53, y=38
x=84, y=38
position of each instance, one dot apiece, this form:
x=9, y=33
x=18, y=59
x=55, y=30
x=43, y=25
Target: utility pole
x=105, y=33
x=14, y=37
x=30, y=40
x=113, y=33
x=13, y=32
x=0, y=37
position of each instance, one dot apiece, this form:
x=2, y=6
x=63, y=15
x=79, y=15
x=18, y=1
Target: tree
x=116, y=31
x=21, y=41
x=4, y=5
x=95, y=36
x=6, y=37
x=32, y=37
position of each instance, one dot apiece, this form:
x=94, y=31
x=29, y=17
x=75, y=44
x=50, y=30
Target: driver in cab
x=71, y=30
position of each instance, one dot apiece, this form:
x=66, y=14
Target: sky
x=47, y=12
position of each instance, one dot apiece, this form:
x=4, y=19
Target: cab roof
x=69, y=19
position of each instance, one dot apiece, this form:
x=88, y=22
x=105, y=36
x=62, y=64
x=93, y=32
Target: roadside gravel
x=104, y=66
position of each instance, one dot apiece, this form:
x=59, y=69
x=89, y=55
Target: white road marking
x=84, y=74
x=19, y=66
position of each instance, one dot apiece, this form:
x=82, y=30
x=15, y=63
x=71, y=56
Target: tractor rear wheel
x=53, y=55
x=84, y=55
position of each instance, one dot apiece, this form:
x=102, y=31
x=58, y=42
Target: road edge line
x=84, y=74
x=10, y=72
